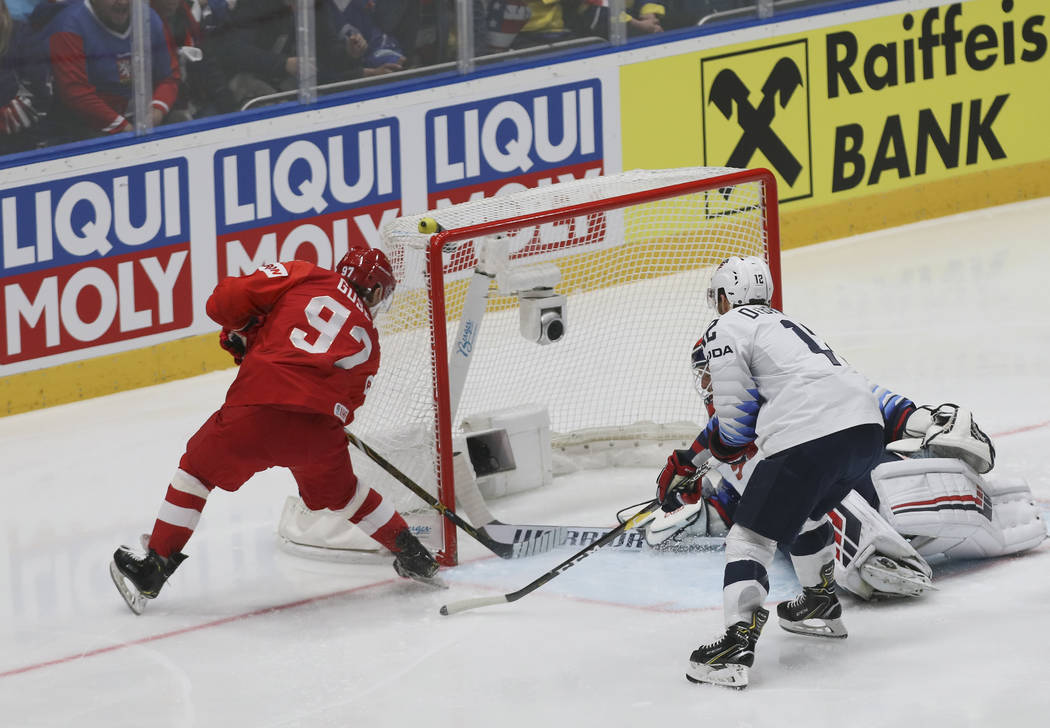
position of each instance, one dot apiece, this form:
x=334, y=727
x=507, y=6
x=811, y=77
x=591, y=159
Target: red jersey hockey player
x=308, y=349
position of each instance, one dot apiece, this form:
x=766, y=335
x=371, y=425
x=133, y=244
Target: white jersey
x=775, y=382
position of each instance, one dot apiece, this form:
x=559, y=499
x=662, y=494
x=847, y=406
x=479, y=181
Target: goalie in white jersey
x=813, y=418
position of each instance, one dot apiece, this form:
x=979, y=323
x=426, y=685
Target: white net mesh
x=635, y=281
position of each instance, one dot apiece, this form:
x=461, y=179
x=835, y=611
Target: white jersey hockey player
x=931, y=497
x=812, y=416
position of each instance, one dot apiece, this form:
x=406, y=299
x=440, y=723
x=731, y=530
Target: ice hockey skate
x=415, y=562
x=817, y=610
x=139, y=578
x=728, y=661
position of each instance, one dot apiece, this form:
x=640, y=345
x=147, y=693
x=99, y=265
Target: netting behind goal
x=632, y=255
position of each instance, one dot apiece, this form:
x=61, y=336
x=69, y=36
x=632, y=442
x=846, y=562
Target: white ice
x=245, y=635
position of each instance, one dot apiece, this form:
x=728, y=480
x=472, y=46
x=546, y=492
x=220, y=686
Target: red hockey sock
x=378, y=519
x=179, y=514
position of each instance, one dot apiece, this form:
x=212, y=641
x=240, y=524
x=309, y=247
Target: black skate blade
x=135, y=601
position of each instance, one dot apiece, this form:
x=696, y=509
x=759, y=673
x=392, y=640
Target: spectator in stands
x=553, y=21
x=504, y=19
x=355, y=24
x=203, y=89
x=400, y=19
x=91, y=60
x=259, y=49
x=642, y=17
x=18, y=113
x=547, y=23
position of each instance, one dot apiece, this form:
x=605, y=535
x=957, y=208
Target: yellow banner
x=875, y=107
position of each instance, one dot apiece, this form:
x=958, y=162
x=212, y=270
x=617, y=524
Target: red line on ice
x=186, y=630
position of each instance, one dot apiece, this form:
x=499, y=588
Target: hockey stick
x=503, y=550
x=465, y=604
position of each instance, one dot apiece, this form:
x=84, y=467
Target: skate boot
x=415, y=562
x=817, y=611
x=728, y=661
x=139, y=578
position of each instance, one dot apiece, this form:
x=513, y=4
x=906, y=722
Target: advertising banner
x=121, y=257
x=94, y=259
x=307, y=197
x=856, y=109
x=108, y=252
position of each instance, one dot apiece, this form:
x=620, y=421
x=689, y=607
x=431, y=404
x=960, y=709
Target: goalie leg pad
x=1015, y=512
x=871, y=559
x=941, y=503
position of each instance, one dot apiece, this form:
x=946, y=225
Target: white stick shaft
x=465, y=604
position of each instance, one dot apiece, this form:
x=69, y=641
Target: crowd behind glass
x=73, y=69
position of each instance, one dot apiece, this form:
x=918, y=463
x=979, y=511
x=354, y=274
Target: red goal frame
x=435, y=275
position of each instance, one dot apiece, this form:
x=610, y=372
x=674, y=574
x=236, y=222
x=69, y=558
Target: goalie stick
x=503, y=550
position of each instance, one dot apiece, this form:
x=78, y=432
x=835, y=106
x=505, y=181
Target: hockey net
x=632, y=255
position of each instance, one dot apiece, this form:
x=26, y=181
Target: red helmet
x=369, y=272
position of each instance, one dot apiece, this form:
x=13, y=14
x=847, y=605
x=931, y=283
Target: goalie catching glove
x=948, y=431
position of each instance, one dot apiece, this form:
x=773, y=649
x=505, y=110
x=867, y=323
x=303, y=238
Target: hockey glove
x=239, y=341
x=746, y=454
x=724, y=452
x=669, y=486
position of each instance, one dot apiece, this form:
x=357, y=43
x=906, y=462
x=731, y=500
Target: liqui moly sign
x=507, y=144
x=528, y=139
x=307, y=197
x=94, y=259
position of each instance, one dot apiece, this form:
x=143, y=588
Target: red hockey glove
x=239, y=341
x=679, y=465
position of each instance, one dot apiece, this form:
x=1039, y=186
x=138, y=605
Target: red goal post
x=624, y=259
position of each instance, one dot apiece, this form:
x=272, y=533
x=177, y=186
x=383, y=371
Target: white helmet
x=744, y=280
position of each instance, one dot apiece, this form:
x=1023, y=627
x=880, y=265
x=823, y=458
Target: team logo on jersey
x=756, y=105
x=274, y=270
x=124, y=69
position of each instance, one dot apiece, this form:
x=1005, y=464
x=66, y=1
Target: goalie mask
x=369, y=273
x=743, y=280
x=702, y=377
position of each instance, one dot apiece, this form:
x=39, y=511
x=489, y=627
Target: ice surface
x=245, y=635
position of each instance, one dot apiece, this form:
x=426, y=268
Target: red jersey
x=317, y=349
